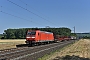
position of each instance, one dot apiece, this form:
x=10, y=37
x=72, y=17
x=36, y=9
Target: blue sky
x=42, y=13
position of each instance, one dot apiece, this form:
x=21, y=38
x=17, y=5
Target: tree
x=21, y=33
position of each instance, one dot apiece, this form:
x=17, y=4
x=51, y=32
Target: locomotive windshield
x=31, y=33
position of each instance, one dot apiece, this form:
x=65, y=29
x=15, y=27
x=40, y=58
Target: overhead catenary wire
x=35, y=10
x=18, y=17
x=32, y=7
x=25, y=9
x=1, y=7
x=13, y=11
x=30, y=12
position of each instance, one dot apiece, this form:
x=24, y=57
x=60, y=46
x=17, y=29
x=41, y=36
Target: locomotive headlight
x=32, y=37
x=27, y=37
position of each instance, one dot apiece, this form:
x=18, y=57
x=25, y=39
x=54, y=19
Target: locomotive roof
x=41, y=31
x=46, y=32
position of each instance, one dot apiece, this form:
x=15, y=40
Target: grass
x=10, y=43
x=80, y=48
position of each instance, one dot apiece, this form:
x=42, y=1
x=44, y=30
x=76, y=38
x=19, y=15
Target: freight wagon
x=62, y=38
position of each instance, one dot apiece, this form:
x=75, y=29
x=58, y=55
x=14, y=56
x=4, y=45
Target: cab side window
x=38, y=33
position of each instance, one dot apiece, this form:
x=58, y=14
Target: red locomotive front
x=30, y=37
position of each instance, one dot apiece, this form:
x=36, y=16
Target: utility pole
x=74, y=29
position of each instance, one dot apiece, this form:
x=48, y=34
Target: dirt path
x=78, y=49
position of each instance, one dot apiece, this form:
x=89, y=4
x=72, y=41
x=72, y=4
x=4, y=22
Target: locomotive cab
x=30, y=37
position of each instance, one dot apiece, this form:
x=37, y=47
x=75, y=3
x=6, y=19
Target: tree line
x=21, y=33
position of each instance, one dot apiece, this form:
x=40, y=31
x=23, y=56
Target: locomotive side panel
x=45, y=36
x=51, y=37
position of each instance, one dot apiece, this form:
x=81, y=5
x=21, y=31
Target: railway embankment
x=80, y=50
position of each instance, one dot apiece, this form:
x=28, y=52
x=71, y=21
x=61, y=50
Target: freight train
x=38, y=37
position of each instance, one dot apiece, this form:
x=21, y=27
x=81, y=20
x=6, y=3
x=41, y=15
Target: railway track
x=31, y=53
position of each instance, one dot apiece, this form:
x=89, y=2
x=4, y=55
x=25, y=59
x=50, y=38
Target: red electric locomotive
x=38, y=36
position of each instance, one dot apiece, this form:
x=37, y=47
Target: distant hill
x=83, y=34
x=1, y=35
